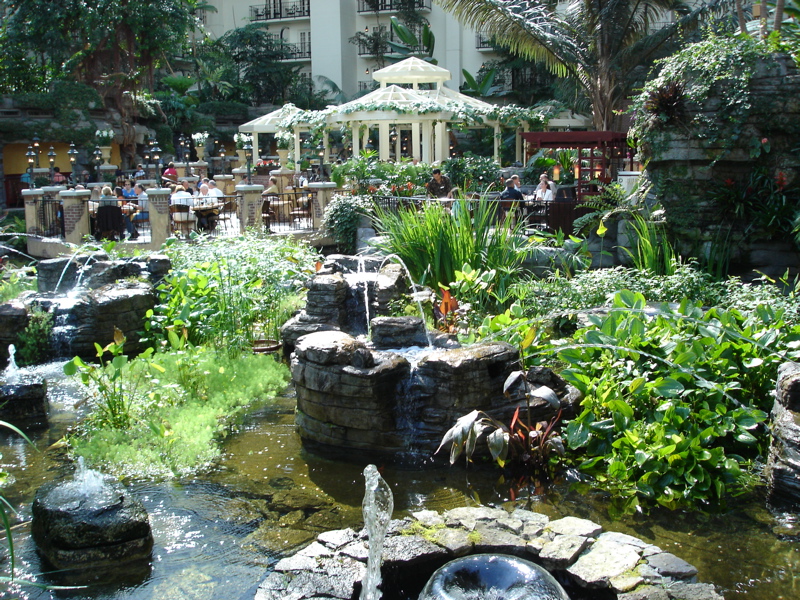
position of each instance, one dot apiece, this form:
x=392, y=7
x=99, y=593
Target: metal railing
x=483, y=42
x=365, y=6
x=49, y=217
x=289, y=211
x=298, y=51
x=280, y=9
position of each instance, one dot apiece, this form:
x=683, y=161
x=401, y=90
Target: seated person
x=544, y=191
x=143, y=214
x=213, y=190
x=439, y=186
x=511, y=192
x=127, y=190
x=272, y=190
x=184, y=219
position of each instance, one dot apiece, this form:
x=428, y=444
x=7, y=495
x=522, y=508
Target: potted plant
x=104, y=137
x=284, y=140
x=240, y=139
x=200, y=138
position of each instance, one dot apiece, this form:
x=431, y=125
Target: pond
x=201, y=553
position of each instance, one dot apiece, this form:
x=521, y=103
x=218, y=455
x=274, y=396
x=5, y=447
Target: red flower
x=780, y=180
x=729, y=183
x=764, y=141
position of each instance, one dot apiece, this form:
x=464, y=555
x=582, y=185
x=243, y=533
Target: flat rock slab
x=669, y=565
x=575, y=526
x=603, y=561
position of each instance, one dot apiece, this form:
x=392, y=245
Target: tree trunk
x=779, y=4
x=740, y=17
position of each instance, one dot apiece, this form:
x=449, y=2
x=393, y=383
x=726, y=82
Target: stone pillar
x=32, y=199
x=497, y=143
x=226, y=184
x=322, y=194
x=76, y=215
x=200, y=168
x=250, y=206
x=415, y=141
x=427, y=134
x=356, y=139
x=160, y=222
x=108, y=173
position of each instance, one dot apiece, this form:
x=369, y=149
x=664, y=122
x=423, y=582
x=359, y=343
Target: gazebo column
x=326, y=148
x=398, y=145
x=427, y=140
x=356, y=140
x=520, y=154
x=442, y=142
x=365, y=137
x=256, y=150
x=383, y=141
x=296, y=152
x=497, y=143
x=415, y=141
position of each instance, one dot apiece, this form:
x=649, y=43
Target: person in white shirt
x=544, y=191
x=213, y=190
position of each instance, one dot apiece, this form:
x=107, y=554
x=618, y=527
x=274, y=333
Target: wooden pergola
x=601, y=154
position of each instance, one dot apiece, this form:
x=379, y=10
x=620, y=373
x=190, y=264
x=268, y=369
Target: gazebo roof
x=391, y=100
x=269, y=123
x=411, y=70
x=444, y=95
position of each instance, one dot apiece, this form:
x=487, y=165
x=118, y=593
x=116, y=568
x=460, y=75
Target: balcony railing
x=366, y=6
x=280, y=9
x=483, y=42
x=364, y=48
x=301, y=51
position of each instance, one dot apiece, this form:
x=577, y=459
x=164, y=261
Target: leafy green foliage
x=674, y=399
x=653, y=251
x=220, y=289
x=365, y=174
x=341, y=219
x=33, y=345
x=472, y=173
x=178, y=405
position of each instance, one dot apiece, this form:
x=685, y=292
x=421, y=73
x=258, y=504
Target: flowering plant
x=284, y=139
x=104, y=137
x=200, y=138
x=241, y=139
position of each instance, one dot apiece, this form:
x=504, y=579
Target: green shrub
x=341, y=219
x=472, y=173
x=34, y=341
x=223, y=109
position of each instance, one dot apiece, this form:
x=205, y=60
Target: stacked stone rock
x=589, y=562
x=783, y=464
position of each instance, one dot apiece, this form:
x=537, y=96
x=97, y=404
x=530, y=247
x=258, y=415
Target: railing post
x=76, y=215
x=158, y=209
x=320, y=200
x=250, y=206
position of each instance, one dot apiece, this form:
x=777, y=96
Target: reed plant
x=653, y=251
x=436, y=242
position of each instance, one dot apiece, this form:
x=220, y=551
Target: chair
x=183, y=219
x=110, y=225
x=227, y=211
x=301, y=207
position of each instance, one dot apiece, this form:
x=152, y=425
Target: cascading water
x=362, y=271
x=377, y=507
x=415, y=291
x=11, y=372
x=63, y=329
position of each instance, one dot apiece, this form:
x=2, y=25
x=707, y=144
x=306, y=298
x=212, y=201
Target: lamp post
x=155, y=151
x=248, y=156
x=183, y=150
x=222, y=158
x=51, y=157
x=36, y=149
x=31, y=159
x=73, y=160
x=97, y=159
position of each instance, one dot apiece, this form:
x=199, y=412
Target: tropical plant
x=532, y=447
x=472, y=173
x=611, y=202
x=410, y=44
x=33, y=345
x=483, y=87
x=601, y=46
x=674, y=401
x=652, y=252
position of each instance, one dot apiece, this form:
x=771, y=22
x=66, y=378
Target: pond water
x=200, y=554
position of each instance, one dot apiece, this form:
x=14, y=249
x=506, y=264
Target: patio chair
x=183, y=219
x=110, y=225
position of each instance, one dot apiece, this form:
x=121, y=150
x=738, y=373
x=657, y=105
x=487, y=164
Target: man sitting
x=439, y=186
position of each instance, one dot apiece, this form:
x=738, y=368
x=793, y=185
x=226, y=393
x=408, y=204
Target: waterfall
x=11, y=372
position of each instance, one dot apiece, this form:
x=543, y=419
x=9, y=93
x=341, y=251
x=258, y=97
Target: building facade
x=318, y=32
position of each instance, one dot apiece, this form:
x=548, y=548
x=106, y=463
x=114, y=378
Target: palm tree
x=604, y=45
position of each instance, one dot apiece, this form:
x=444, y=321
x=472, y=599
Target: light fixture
x=51, y=158
x=366, y=71
x=366, y=28
x=98, y=156
x=248, y=156
x=36, y=149
x=73, y=159
x=31, y=159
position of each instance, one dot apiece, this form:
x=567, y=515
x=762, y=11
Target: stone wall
x=783, y=463
x=685, y=171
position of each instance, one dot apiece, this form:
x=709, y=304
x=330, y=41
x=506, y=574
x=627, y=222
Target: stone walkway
x=587, y=561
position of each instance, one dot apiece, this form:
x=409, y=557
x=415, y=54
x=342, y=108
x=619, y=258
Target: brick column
x=76, y=215
x=250, y=207
x=160, y=222
x=322, y=193
x=225, y=183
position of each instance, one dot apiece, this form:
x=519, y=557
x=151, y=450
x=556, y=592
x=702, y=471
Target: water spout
x=11, y=372
x=377, y=508
x=362, y=270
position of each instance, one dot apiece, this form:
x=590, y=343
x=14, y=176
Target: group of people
x=132, y=202
x=441, y=187
x=202, y=204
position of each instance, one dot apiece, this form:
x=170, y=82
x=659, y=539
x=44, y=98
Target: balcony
x=301, y=51
x=366, y=49
x=483, y=42
x=280, y=9
x=368, y=6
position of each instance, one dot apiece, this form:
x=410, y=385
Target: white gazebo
x=395, y=108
